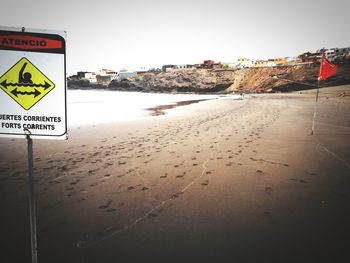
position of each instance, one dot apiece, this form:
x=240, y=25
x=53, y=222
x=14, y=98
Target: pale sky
x=132, y=34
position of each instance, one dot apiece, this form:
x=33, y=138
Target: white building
x=337, y=53
x=330, y=54
x=90, y=76
x=271, y=63
x=244, y=63
x=341, y=53
x=104, y=73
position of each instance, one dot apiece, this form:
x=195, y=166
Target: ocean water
x=87, y=107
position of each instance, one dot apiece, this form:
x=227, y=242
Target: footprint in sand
x=177, y=195
x=310, y=173
x=75, y=182
x=152, y=215
x=268, y=190
x=205, y=183
x=106, y=205
x=297, y=180
x=92, y=171
x=259, y=172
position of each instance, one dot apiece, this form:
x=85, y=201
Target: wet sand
x=215, y=181
x=160, y=110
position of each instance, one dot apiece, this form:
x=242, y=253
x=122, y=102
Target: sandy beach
x=215, y=181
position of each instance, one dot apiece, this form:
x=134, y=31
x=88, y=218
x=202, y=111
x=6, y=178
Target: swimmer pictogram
x=25, y=83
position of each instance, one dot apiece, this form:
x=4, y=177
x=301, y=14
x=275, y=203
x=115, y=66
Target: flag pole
x=315, y=109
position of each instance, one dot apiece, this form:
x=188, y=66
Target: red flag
x=326, y=69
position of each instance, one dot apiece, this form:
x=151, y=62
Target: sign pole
x=32, y=206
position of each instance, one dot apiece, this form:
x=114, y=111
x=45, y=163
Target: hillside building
x=90, y=76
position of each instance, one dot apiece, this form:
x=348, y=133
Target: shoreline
x=161, y=109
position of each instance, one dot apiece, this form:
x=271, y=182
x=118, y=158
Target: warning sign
x=32, y=83
x=25, y=83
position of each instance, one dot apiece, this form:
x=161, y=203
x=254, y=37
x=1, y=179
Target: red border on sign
x=29, y=42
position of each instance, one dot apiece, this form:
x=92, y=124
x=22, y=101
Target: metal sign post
x=32, y=206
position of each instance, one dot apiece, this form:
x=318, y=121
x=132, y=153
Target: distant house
x=166, y=68
x=81, y=74
x=338, y=55
x=155, y=70
x=341, y=54
x=185, y=66
x=271, y=63
x=105, y=76
x=90, y=76
x=208, y=64
x=310, y=57
x=293, y=60
x=108, y=72
x=218, y=65
x=330, y=54
x=229, y=65
x=260, y=63
x=244, y=63
x=280, y=61
x=182, y=66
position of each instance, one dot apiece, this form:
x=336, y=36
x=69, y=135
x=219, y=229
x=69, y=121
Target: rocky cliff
x=285, y=78
x=194, y=80
x=268, y=79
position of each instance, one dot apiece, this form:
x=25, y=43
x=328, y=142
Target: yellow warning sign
x=25, y=83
